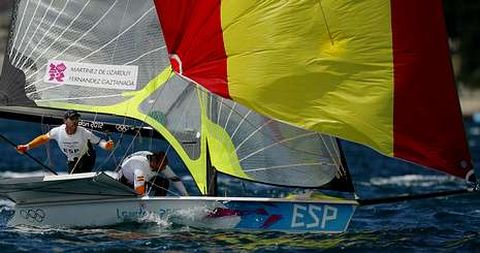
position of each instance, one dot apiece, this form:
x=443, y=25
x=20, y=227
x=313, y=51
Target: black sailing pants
x=86, y=162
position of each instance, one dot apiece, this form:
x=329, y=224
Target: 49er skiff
x=363, y=71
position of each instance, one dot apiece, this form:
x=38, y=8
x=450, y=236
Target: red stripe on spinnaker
x=193, y=32
x=428, y=127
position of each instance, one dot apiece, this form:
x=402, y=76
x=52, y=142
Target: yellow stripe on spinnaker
x=222, y=151
x=316, y=64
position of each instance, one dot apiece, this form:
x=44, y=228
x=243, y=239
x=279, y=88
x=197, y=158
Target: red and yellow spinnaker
x=376, y=72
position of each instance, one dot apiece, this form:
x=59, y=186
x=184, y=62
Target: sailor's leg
x=71, y=165
x=159, y=186
x=85, y=164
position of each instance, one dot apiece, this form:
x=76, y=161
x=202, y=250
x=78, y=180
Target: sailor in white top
x=143, y=167
x=74, y=141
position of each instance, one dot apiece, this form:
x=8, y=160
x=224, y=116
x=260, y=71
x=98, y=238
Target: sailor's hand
x=22, y=148
x=109, y=145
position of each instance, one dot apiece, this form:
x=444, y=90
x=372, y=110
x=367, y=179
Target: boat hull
x=323, y=216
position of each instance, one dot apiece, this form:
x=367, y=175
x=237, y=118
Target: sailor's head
x=158, y=161
x=71, y=119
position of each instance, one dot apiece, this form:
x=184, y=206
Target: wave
x=41, y=173
x=412, y=180
x=13, y=174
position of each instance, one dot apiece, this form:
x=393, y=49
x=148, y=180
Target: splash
x=162, y=221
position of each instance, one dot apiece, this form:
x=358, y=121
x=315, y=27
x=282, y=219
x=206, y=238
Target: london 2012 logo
x=33, y=215
x=56, y=72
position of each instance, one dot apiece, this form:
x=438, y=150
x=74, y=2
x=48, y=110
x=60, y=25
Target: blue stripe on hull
x=286, y=216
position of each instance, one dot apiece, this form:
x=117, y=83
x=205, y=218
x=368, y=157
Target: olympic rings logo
x=33, y=215
x=121, y=128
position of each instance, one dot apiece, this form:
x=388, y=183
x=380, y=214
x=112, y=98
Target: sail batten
x=249, y=146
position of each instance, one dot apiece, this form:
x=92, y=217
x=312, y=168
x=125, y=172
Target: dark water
x=449, y=224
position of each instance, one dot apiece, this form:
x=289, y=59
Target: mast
x=212, y=187
x=347, y=179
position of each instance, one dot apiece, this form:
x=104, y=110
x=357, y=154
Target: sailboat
x=153, y=68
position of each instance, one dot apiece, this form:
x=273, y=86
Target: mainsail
x=375, y=72
x=109, y=57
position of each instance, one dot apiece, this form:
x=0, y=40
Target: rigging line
x=156, y=174
x=114, y=158
x=47, y=32
x=219, y=110
x=240, y=124
x=46, y=128
x=331, y=154
x=33, y=35
x=131, y=142
x=163, y=188
x=326, y=23
x=308, y=175
x=29, y=156
x=77, y=40
x=279, y=142
x=144, y=119
x=288, y=166
x=145, y=54
x=405, y=197
x=201, y=89
x=209, y=97
x=129, y=146
x=14, y=60
x=229, y=115
x=334, y=144
x=111, y=155
x=127, y=150
x=336, y=147
x=102, y=47
x=184, y=93
x=75, y=165
x=74, y=42
x=251, y=134
x=120, y=26
x=88, y=150
x=59, y=37
x=253, y=125
x=118, y=36
x=19, y=28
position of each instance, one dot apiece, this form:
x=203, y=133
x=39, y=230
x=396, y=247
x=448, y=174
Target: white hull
x=330, y=216
x=90, y=200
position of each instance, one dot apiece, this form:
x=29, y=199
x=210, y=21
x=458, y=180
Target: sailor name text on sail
x=122, y=77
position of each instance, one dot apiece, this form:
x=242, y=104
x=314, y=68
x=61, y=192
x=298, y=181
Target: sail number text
x=312, y=216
